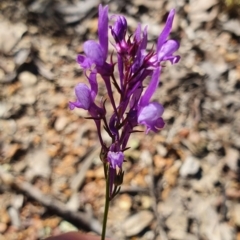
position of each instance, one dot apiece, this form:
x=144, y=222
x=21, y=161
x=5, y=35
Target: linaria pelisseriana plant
x=133, y=106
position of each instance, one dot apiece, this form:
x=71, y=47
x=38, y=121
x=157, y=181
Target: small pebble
x=27, y=79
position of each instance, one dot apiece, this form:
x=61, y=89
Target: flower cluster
x=134, y=64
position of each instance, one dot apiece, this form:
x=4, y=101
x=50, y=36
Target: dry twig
x=82, y=219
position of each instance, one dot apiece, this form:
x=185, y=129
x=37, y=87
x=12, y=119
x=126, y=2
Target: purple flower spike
x=115, y=159
x=123, y=78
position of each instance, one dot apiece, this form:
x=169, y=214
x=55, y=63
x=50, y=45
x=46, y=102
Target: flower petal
x=151, y=88
x=141, y=52
x=83, y=94
x=103, y=29
x=172, y=59
x=120, y=69
x=168, y=48
x=137, y=33
x=115, y=159
x=166, y=31
x=76, y=104
x=119, y=29
x=94, y=52
x=144, y=39
x=84, y=62
x=150, y=116
x=94, y=85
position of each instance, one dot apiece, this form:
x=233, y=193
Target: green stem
x=107, y=201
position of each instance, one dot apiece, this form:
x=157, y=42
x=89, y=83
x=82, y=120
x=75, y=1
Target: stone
x=236, y=215
x=38, y=164
x=232, y=158
x=27, y=79
x=10, y=34
x=190, y=167
x=137, y=222
x=61, y=123
x=65, y=226
x=27, y=96
x=4, y=110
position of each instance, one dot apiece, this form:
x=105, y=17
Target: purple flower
x=96, y=53
x=141, y=51
x=149, y=114
x=103, y=29
x=115, y=159
x=84, y=99
x=85, y=96
x=119, y=29
x=166, y=31
x=165, y=48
